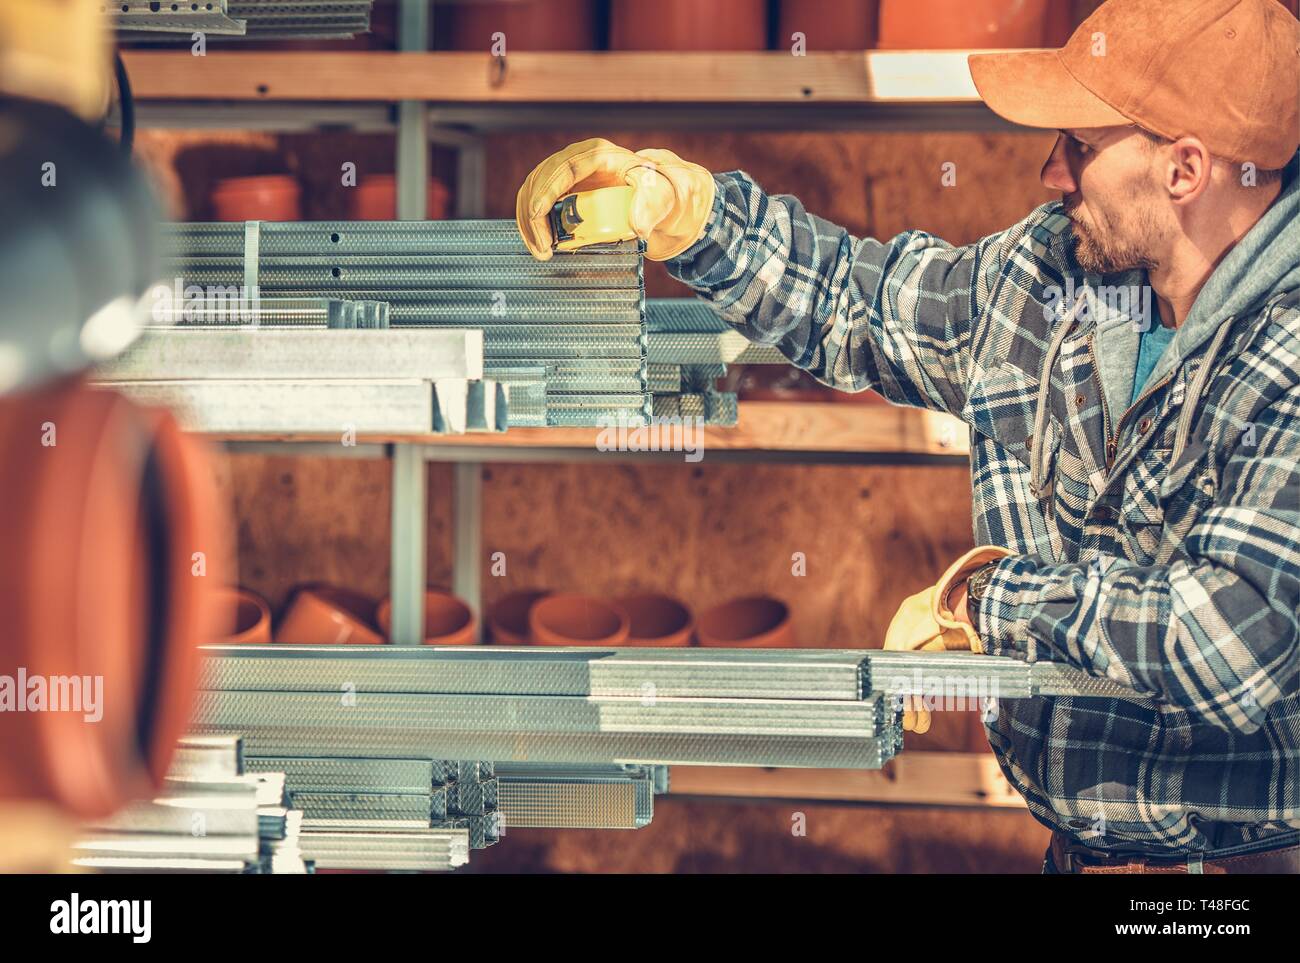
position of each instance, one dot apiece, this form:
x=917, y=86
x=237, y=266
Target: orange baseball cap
x=1226, y=71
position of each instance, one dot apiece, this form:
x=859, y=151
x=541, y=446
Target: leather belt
x=1071, y=857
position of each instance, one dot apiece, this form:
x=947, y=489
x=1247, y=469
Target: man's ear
x=1187, y=168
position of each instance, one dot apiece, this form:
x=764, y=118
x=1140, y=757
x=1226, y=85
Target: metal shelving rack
x=453, y=100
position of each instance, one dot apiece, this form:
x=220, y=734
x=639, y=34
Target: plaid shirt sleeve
x=894, y=315
x=1215, y=631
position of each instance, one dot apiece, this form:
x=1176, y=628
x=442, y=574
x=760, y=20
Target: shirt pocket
x=1142, y=514
x=1071, y=497
x=1000, y=406
x=1188, y=489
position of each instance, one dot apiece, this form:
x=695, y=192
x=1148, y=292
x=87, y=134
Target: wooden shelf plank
x=763, y=426
x=916, y=778
x=870, y=77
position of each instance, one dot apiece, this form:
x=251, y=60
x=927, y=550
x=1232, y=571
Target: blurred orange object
x=688, y=25
x=657, y=620
x=113, y=545
x=375, y=199
x=322, y=614
x=524, y=25
x=569, y=619
x=962, y=24
x=447, y=619
x=271, y=197
x=759, y=622
x=198, y=559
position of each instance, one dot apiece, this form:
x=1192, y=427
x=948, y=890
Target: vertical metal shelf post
x=409, y=559
x=467, y=524
x=412, y=120
x=467, y=535
x=409, y=552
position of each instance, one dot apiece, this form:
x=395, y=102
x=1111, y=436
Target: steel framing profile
x=579, y=317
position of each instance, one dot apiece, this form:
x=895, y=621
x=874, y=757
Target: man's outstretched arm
x=904, y=316
x=900, y=316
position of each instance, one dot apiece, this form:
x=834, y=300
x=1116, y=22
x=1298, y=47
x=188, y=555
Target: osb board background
x=720, y=836
x=707, y=532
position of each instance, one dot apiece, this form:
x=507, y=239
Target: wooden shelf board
x=763, y=426
x=915, y=778
x=850, y=78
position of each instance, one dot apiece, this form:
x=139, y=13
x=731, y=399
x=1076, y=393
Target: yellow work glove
x=57, y=52
x=671, y=198
x=924, y=622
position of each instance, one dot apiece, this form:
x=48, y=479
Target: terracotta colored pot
x=508, y=619
x=104, y=515
x=961, y=24
x=527, y=25
x=252, y=624
x=328, y=615
x=688, y=25
x=375, y=199
x=566, y=619
x=657, y=620
x=274, y=197
x=759, y=622
x=447, y=619
x=828, y=24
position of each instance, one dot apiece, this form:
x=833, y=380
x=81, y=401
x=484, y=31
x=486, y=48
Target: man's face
x=1110, y=189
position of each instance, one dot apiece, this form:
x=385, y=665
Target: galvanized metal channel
x=586, y=305
x=820, y=674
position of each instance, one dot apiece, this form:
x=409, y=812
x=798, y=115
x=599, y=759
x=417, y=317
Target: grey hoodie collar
x=1264, y=262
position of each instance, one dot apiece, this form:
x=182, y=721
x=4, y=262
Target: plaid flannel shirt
x=1169, y=565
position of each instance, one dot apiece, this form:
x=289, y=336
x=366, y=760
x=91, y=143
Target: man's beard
x=1102, y=251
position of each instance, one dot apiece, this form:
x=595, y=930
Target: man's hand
x=917, y=628
x=671, y=199
x=937, y=619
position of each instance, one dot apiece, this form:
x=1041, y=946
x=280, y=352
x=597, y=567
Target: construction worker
x=1128, y=361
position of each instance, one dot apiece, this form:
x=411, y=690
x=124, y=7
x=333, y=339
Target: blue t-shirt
x=1154, y=341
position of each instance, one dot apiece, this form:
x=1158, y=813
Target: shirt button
x=1078, y=401
x=1029, y=443
x=1144, y=426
